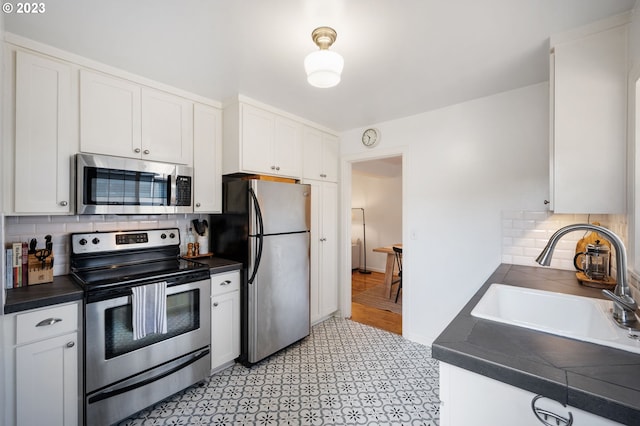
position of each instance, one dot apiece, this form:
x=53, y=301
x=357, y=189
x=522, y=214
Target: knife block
x=39, y=274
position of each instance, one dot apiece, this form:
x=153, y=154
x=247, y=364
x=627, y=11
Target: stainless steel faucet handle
x=625, y=301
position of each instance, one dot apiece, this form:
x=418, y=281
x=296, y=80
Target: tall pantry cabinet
x=321, y=164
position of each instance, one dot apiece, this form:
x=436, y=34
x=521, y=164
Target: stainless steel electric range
x=125, y=373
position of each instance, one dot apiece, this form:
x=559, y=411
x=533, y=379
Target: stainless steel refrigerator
x=265, y=225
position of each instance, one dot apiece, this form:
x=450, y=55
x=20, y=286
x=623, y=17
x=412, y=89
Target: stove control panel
x=97, y=242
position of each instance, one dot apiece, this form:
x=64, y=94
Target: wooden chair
x=397, y=251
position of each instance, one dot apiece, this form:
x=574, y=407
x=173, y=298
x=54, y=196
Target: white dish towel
x=149, y=304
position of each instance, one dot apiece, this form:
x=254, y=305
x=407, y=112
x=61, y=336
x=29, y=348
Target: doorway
x=376, y=226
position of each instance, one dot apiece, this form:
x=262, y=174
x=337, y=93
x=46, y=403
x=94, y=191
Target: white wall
x=465, y=164
x=634, y=37
x=381, y=197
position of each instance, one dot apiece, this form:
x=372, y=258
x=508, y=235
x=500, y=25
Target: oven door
x=112, y=355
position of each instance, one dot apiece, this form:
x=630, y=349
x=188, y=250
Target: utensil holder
x=39, y=273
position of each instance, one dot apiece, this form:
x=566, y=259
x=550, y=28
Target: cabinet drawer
x=224, y=283
x=45, y=323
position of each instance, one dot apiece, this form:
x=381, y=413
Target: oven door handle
x=159, y=373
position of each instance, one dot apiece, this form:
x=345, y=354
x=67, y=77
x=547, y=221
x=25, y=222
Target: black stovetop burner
x=135, y=273
x=121, y=259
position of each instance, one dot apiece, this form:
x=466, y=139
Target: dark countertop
x=593, y=378
x=219, y=265
x=64, y=289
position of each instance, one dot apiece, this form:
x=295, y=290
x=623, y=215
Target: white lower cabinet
x=46, y=366
x=225, y=319
x=467, y=398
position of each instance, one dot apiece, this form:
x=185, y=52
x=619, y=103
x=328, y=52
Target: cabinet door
x=287, y=148
x=45, y=140
x=589, y=124
x=257, y=135
x=109, y=115
x=488, y=402
x=320, y=155
x=323, y=249
x=312, y=154
x=330, y=157
x=47, y=382
x=225, y=328
x=207, y=159
x=167, y=127
x=329, y=247
x=314, y=251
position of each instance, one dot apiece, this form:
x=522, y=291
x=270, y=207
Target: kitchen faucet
x=624, y=306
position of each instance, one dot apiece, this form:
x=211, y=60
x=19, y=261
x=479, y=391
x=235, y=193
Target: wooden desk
x=388, y=270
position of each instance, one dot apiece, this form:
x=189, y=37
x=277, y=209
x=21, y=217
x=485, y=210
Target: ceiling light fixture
x=322, y=66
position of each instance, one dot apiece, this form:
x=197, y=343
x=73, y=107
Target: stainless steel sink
x=576, y=317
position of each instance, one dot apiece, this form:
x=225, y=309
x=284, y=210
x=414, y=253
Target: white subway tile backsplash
x=535, y=216
x=527, y=233
x=19, y=229
x=524, y=224
x=23, y=228
x=51, y=228
x=513, y=214
x=512, y=232
x=75, y=227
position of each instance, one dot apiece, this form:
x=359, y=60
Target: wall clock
x=370, y=137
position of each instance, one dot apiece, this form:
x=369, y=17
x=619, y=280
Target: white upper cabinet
x=260, y=141
x=109, y=115
x=45, y=135
x=320, y=155
x=167, y=127
x=207, y=159
x=589, y=120
x=122, y=118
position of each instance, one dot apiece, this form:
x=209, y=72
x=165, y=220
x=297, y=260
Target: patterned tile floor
x=344, y=373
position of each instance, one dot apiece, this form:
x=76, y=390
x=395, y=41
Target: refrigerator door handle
x=259, y=235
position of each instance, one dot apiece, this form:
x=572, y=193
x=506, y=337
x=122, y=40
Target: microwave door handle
x=259, y=236
x=172, y=189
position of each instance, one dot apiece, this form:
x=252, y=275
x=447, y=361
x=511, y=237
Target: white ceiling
x=401, y=57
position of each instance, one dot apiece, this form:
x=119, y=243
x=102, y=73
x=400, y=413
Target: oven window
x=183, y=315
x=124, y=188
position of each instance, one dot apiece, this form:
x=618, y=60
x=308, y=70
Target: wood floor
x=364, y=314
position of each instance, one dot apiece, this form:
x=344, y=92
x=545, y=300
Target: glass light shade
x=323, y=68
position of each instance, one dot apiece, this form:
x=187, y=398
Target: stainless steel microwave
x=115, y=185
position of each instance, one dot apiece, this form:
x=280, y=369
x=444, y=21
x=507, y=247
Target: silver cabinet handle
x=547, y=201
x=323, y=239
x=146, y=151
x=197, y=204
x=277, y=167
x=273, y=167
x=63, y=203
x=225, y=282
x=137, y=150
x=215, y=304
x=549, y=418
x=48, y=321
x=71, y=344
x=322, y=175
